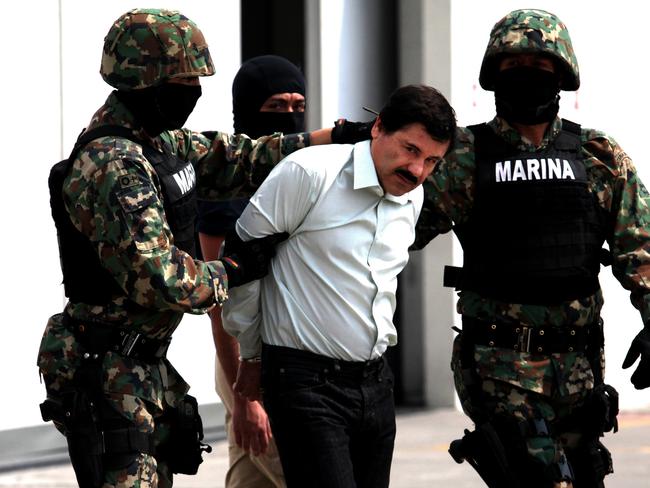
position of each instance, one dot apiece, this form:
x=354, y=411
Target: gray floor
x=420, y=459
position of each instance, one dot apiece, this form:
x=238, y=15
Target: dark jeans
x=333, y=421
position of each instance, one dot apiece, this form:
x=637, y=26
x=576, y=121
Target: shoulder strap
x=487, y=143
x=569, y=138
x=60, y=169
x=478, y=129
x=572, y=127
x=104, y=130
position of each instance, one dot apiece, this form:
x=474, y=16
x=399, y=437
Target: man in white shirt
x=322, y=319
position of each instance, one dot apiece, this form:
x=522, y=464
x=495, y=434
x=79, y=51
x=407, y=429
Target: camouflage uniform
x=114, y=198
x=530, y=385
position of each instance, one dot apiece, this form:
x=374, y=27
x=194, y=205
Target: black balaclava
x=527, y=95
x=258, y=79
x=162, y=107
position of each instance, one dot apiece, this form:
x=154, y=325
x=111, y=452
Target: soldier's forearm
x=320, y=136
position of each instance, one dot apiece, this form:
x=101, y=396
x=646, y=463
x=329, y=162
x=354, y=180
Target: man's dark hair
x=420, y=104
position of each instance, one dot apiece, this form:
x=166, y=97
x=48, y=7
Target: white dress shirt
x=331, y=286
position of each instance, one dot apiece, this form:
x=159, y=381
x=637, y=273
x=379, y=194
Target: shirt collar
x=365, y=174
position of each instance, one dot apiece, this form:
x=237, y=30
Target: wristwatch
x=254, y=359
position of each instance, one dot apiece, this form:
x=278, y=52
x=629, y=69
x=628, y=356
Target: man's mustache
x=407, y=175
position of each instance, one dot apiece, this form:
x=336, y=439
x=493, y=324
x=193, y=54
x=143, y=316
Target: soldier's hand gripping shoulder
x=248, y=260
x=640, y=348
x=348, y=132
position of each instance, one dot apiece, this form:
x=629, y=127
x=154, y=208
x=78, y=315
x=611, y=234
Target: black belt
x=128, y=439
x=98, y=338
x=523, y=338
x=279, y=355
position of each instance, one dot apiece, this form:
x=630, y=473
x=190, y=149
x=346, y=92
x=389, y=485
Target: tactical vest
x=535, y=232
x=84, y=278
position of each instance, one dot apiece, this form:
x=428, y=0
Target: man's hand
x=251, y=426
x=248, y=261
x=640, y=347
x=248, y=380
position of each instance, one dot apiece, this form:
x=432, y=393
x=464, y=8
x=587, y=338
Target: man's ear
x=376, y=128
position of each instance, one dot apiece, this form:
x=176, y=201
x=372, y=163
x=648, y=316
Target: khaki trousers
x=246, y=470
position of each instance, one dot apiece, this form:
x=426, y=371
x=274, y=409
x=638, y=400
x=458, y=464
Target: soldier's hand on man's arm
x=247, y=261
x=640, y=348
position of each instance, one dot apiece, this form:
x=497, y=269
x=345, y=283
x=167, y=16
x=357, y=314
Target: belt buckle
x=523, y=341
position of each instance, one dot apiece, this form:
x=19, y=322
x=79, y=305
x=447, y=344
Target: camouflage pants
x=144, y=471
x=505, y=400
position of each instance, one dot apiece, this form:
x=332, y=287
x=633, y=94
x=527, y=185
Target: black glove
x=346, y=132
x=248, y=261
x=640, y=347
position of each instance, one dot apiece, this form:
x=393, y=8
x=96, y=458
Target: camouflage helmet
x=534, y=32
x=145, y=47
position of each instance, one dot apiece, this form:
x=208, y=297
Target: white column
x=427, y=309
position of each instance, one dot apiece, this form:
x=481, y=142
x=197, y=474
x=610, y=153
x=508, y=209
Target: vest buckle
x=523, y=340
x=129, y=342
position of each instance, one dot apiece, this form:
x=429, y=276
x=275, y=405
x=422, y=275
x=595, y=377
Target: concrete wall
x=427, y=309
x=357, y=62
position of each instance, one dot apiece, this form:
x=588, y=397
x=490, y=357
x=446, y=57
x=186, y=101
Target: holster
x=77, y=417
x=485, y=452
x=597, y=415
x=99, y=438
x=591, y=463
x=183, y=451
x=497, y=451
x=602, y=409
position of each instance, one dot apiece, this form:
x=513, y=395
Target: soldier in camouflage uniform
x=532, y=198
x=128, y=203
